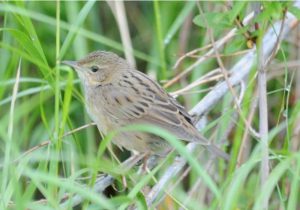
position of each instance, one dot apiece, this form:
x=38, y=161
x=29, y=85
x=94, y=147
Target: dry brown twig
x=244, y=142
x=191, y=54
x=277, y=44
x=226, y=77
x=209, y=77
x=192, y=92
x=278, y=69
x=241, y=52
x=219, y=44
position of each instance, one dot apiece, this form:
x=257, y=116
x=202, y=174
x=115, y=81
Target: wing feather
x=141, y=100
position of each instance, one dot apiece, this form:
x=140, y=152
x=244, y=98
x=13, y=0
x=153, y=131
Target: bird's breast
x=96, y=110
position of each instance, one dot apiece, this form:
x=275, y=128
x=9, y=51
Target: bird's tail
x=217, y=151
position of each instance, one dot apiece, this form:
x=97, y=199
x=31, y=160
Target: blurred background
x=43, y=160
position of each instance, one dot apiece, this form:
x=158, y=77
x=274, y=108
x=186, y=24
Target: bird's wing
x=141, y=100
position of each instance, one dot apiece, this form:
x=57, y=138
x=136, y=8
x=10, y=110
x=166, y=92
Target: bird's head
x=98, y=67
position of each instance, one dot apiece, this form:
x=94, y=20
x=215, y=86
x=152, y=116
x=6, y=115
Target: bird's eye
x=94, y=68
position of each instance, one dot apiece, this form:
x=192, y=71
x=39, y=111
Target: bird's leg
x=145, y=160
x=128, y=164
x=149, y=162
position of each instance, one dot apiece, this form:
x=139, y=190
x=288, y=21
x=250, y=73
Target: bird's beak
x=72, y=64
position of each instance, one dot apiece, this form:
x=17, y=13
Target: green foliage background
x=37, y=36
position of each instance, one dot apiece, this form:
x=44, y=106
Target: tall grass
x=41, y=104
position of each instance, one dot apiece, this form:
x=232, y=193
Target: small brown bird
x=118, y=95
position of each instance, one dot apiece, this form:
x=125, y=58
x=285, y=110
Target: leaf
x=25, y=42
x=235, y=45
x=213, y=20
x=32, y=50
x=276, y=10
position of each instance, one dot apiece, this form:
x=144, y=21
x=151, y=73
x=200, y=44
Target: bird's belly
x=131, y=141
x=142, y=142
x=98, y=116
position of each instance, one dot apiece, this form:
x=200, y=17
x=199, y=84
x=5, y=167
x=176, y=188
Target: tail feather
x=217, y=151
x=211, y=147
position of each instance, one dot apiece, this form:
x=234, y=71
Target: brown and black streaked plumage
x=118, y=95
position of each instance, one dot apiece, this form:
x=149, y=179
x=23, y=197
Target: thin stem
x=263, y=117
x=57, y=71
x=163, y=74
x=119, y=12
